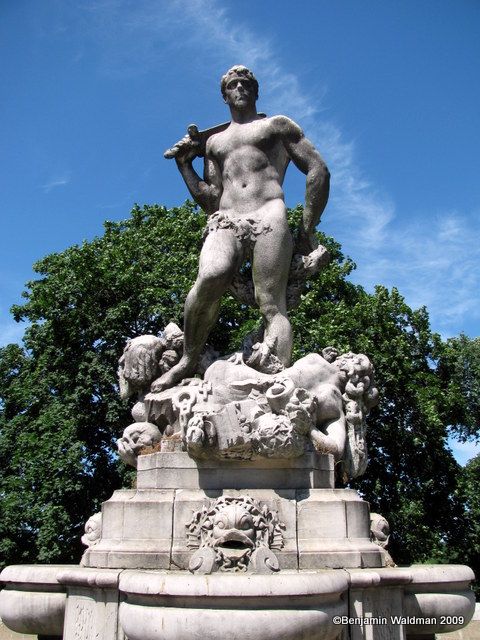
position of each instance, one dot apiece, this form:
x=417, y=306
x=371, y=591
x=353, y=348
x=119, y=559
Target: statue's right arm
x=330, y=432
x=205, y=192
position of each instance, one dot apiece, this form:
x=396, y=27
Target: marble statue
x=254, y=403
x=241, y=191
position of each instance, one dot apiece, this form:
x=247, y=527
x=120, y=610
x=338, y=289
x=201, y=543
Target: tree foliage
x=60, y=413
x=459, y=370
x=468, y=543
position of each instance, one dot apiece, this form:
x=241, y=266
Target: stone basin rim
x=286, y=583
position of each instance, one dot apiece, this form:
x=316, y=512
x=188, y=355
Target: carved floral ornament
x=234, y=534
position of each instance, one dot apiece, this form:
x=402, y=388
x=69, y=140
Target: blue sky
x=94, y=91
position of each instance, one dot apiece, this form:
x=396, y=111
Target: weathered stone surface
x=171, y=470
x=410, y=602
x=92, y=604
x=282, y=503
x=159, y=605
x=237, y=413
x=441, y=593
x=333, y=528
x=324, y=528
x=257, y=607
x=136, y=531
x=33, y=601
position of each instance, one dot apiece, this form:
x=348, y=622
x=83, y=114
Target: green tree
x=467, y=547
x=60, y=413
x=459, y=370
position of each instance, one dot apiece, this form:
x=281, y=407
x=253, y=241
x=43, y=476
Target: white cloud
x=353, y=197
x=219, y=38
x=433, y=263
x=56, y=181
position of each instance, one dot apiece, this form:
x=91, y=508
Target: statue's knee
x=211, y=284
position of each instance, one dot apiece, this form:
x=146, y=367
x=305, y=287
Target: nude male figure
x=245, y=166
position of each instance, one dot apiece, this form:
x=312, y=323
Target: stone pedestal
x=316, y=575
x=176, y=470
x=324, y=527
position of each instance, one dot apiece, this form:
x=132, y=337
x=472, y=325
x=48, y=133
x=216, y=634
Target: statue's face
x=239, y=92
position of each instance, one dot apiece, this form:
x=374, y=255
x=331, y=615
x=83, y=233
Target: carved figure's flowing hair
x=359, y=397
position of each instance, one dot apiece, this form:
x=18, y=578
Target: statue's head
x=239, y=73
x=139, y=364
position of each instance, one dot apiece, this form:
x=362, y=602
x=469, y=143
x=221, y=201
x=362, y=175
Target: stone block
x=136, y=531
x=333, y=530
x=380, y=605
x=92, y=604
x=113, y=514
x=176, y=470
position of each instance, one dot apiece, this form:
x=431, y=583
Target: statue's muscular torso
x=249, y=163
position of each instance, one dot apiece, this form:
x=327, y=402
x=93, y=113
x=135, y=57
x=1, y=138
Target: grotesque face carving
x=135, y=437
x=233, y=528
x=93, y=530
x=140, y=434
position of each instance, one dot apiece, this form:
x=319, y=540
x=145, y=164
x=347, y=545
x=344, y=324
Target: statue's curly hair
x=240, y=71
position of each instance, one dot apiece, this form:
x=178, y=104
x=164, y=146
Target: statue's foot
x=170, y=378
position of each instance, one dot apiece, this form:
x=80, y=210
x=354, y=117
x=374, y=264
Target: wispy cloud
x=56, y=181
x=433, y=265
x=213, y=30
x=149, y=27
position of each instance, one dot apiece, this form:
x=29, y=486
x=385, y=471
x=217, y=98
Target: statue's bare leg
x=272, y=257
x=220, y=259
